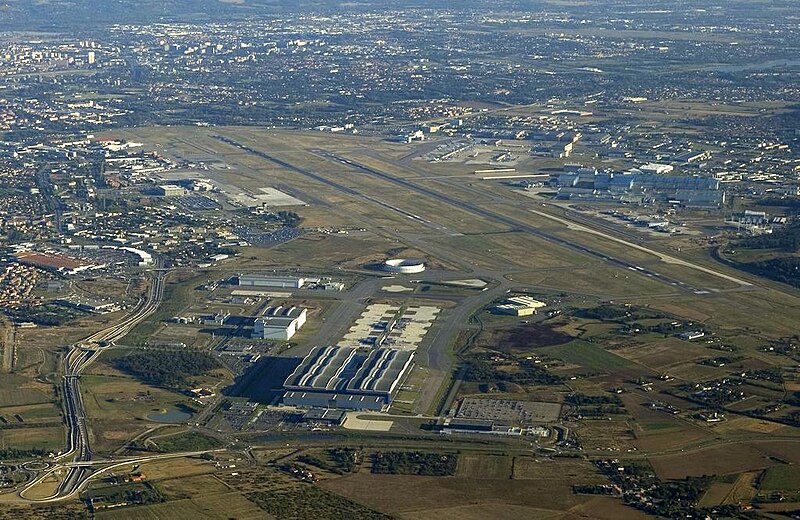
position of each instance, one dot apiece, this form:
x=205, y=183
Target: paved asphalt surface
x=80, y=356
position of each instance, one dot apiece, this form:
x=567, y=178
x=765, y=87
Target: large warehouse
x=347, y=377
x=265, y=280
x=279, y=323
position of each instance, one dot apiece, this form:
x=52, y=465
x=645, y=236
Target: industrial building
x=88, y=305
x=55, y=262
x=450, y=425
x=279, y=323
x=637, y=186
x=265, y=280
x=656, y=168
x=170, y=190
x=519, y=306
x=347, y=378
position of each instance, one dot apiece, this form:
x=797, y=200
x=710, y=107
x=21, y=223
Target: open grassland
x=606, y=435
x=446, y=495
x=44, y=412
x=178, y=294
x=734, y=457
x=512, y=249
x=657, y=430
x=183, y=468
x=188, y=486
x=485, y=466
x=663, y=354
x=22, y=396
x=581, y=471
x=211, y=505
x=587, y=355
x=119, y=405
x=45, y=438
x=670, y=434
x=781, y=478
x=323, y=252
x=62, y=510
x=778, y=313
x=600, y=281
x=716, y=494
x=189, y=441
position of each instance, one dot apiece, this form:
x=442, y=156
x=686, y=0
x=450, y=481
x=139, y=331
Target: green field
x=191, y=441
x=33, y=412
x=13, y=393
x=220, y=505
x=781, y=478
x=44, y=438
x=587, y=355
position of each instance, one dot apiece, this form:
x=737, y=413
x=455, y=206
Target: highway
x=80, y=356
x=93, y=470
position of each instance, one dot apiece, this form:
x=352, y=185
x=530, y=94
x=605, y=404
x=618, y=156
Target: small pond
x=173, y=414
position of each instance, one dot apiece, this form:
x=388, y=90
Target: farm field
x=50, y=438
x=211, y=505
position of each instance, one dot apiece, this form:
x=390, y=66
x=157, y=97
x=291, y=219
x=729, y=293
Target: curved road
x=80, y=356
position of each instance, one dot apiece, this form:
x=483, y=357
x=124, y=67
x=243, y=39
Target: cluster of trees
x=609, y=312
x=721, y=360
x=767, y=374
x=170, y=368
x=673, y=498
x=346, y=459
x=131, y=494
x=14, y=454
x=311, y=502
x=595, y=405
x=792, y=418
x=643, y=490
x=786, y=239
x=793, y=399
x=784, y=269
x=664, y=327
x=481, y=371
x=415, y=463
x=780, y=202
x=288, y=218
x=341, y=460
x=596, y=489
x=49, y=315
x=592, y=400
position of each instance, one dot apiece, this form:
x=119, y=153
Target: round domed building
x=403, y=266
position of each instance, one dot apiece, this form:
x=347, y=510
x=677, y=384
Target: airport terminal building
x=347, y=378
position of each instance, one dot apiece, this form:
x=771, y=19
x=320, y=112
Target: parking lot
x=391, y=326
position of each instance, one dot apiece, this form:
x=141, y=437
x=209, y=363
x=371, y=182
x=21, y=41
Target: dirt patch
x=522, y=338
x=725, y=459
x=400, y=494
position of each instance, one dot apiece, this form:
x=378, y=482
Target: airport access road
x=80, y=356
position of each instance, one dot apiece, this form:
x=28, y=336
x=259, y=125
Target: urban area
x=371, y=260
